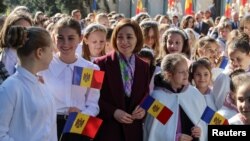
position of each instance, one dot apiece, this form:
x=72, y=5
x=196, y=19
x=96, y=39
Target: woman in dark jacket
x=126, y=83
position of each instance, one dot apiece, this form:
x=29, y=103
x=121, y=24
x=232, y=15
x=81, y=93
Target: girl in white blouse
x=8, y=55
x=69, y=98
x=28, y=110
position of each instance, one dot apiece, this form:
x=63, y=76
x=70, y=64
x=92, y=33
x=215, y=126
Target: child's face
x=66, y=41
x=202, y=77
x=174, y=43
x=247, y=28
x=243, y=100
x=96, y=42
x=104, y=21
x=211, y=52
x=238, y=59
x=180, y=75
x=150, y=38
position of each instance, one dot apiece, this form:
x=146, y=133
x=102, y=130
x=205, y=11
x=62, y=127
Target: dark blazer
x=204, y=28
x=113, y=97
x=235, y=26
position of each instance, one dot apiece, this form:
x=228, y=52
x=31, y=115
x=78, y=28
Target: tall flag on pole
x=156, y=109
x=94, y=5
x=213, y=118
x=139, y=6
x=170, y=4
x=82, y=124
x=228, y=9
x=86, y=77
x=243, y=2
x=188, y=7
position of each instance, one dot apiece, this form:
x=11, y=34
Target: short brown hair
x=138, y=33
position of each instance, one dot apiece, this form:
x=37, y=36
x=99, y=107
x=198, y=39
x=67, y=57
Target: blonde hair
x=88, y=30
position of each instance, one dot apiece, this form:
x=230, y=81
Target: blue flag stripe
x=207, y=115
x=69, y=123
x=147, y=102
x=77, y=75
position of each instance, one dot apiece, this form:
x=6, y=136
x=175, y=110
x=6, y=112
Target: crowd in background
x=187, y=63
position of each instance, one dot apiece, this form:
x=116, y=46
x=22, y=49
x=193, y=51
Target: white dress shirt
x=59, y=76
x=27, y=110
x=10, y=59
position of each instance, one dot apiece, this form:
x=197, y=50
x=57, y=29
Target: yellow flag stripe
x=217, y=119
x=155, y=108
x=79, y=123
x=86, y=79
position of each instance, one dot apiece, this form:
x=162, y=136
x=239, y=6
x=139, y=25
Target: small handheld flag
x=224, y=62
x=82, y=124
x=86, y=77
x=213, y=118
x=156, y=109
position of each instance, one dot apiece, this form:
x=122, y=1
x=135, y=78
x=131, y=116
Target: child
x=28, y=111
x=209, y=48
x=8, y=56
x=151, y=35
x=147, y=55
x=200, y=74
x=241, y=84
x=187, y=104
x=229, y=109
x=239, y=56
x=108, y=47
x=94, y=41
x=69, y=98
x=175, y=40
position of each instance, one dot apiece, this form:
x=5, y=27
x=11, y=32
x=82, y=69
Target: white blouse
x=27, y=110
x=59, y=77
x=10, y=59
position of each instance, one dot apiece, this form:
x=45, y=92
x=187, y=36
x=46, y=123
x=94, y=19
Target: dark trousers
x=61, y=120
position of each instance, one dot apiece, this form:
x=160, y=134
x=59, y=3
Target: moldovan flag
x=213, y=118
x=228, y=9
x=170, y=4
x=224, y=62
x=82, y=124
x=188, y=7
x=139, y=6
x=243, y=2
x=156, y=109
x=86, y=77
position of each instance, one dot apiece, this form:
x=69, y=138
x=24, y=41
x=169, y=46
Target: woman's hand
x=123, y=117
x=138, y=113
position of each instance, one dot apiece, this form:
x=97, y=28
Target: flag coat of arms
x=156, y=109
x=82, y=124
x=86, y=77
x=213, y=118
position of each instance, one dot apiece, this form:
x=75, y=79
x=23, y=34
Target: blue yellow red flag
x=188, y=7
x=228, y=9
x=82, y=124
x=86, y=77
x=139, y=6
x=156, y=109
x=213, y=118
